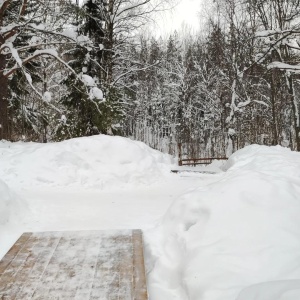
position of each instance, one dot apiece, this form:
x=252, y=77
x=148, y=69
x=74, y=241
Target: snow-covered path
x=91, y=209
x=66, y=209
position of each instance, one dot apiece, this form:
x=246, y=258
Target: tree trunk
x=109, y=45
x=4, y=126
x=295, y=109
x=273, y=102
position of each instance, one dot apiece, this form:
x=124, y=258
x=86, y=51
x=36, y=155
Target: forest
x=70, y=69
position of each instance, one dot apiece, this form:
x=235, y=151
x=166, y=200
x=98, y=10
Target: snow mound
x=275, y=161
x=239, y=231
x=12, y=214
x=9, y=205
x=95, y=162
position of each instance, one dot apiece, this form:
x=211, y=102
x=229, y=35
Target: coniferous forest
x=70, y=69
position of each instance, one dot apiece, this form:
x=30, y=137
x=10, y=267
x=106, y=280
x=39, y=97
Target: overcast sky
x=186, y=11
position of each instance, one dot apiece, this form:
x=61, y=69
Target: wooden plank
x=17, y=271
x=43, y=254
x=75, y=265
x=139, y=281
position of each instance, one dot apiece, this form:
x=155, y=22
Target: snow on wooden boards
x=75, y=265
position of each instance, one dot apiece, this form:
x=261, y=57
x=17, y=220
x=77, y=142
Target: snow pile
x=10, y=207
x=94, y=162
x=217, y=241
x=12, y=213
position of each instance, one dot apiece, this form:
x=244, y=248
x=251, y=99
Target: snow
x=37, y=26
x=265, y=33
x=279, y=290
x=239, y=231
x=88, y=80
x=14, y=53
x=93, y=183
x=63, y=119
x=99, y=162
x=234, y=234
x=96, y=93
x=70, y=33
x=51, y=52
x=284, y=66
x=12, y=214
x=261, y=102
x=10, y=206
x=47, y=96
x=28, y=77
x=231, y=131
x=82, y=39
x=7, y=28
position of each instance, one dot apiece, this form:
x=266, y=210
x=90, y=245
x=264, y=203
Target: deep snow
x=98, y=182
x=239, y=231
x=231, y=235
x=93, y=183
x=98, y=162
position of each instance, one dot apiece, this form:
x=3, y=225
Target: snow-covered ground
x=98, y=182
x=230, y=235
x=235, y=238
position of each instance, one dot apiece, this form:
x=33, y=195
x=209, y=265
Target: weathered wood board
x=75, y=265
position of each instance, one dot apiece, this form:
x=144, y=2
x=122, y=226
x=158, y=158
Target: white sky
x=186, y=12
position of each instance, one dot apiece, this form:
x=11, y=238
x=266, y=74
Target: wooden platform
x=75, y=265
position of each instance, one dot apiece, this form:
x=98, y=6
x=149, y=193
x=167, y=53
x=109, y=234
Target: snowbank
x=94, y=162
x=239, y=231
x=13, y=212
x=9, y=206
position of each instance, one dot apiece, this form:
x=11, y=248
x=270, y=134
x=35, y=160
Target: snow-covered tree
x=45, y=31
x=279, y=33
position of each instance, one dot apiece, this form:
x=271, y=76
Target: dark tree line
x=234, y=83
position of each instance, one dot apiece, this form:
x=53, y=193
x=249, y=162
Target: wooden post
x=179, y=154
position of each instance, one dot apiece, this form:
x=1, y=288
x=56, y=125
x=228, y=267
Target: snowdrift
x=13, y=212
x=10, y=206
x=96, y=162
x=238, y=235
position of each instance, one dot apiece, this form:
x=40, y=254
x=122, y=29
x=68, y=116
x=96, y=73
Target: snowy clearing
x=93, y=183
x=230, y=235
